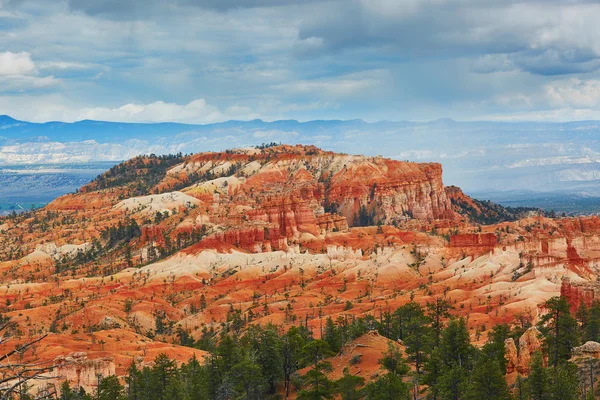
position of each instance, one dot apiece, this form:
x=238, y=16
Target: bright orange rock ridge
x=273, y=233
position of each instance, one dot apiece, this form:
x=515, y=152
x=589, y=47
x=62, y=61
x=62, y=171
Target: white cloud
x=196, y=111
x=16, y=64
x=577, y=93
x=62, y=65
x=346, y=85
x=57, y=108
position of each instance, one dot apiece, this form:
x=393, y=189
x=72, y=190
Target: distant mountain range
x=488, y=159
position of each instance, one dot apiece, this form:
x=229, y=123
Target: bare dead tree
x=15, y=375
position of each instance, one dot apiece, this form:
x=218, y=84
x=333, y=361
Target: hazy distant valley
x=549, y=165
x=22, y=186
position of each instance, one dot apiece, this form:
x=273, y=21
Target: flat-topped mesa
x=274, y=194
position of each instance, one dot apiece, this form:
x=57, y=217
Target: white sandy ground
x=468, y=280
x=151, y=204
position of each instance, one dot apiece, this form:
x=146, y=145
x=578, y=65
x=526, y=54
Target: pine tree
x=487, y=381
x=592, y=328
x=417, y=336
x=347, y=386
x=433, y=371
x=537, y=382
x=248, y=379
x=563, y=382
x=269, y=356
x=320, y=387
x=332, y=336
x=582, y=315
x=494, y=348
x=110, y=389
x=291, y=349
x=437, y=311
x=389, y=387
x=560, y=330
x=134, y=384
x=163, y=370
x=456, y=353
x=453, y=382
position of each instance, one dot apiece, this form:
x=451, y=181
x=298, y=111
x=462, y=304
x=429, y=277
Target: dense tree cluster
x=490, y=213
x=264, y=362
x=268, y=362
x=140, y=173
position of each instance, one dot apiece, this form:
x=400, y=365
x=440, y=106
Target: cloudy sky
x=205, y=61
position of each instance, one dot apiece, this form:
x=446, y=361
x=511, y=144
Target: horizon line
x=440, y=119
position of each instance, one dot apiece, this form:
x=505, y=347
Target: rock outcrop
x=589, y=349
x=519, y=360
x=474, y=240
x=269, y=198
x=578, y=292
x=78, y=370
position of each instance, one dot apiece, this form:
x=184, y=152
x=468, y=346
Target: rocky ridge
x=281, y=234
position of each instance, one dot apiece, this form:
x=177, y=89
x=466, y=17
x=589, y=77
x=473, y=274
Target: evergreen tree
x=582, y=315
x=457, y=355
x=110, y=389
x=393, y=362
x=163, y=370
x=347, y=386
x=537, y=382
x=433, y=371
x=563, y=382
x=194, y=378
x=487, y=381
x=437, y=311
x=592, y=327
x=559, y=329
x=417, y=336
x=320, y=387
x=291, y=349
x=388, y=387
x=453, y=382
x=228, y=352
x=248, y=379
x=494, y=348
x=332, y=336
x=270, y=356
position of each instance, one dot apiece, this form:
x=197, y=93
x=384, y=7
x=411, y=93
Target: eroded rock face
x=78, y=370
x=284, y=192
x=474, y=240
x=588, y=349
x=577, y=292
x=587, y=359
x=511, y=355
x=519, y=360
x=529, y=343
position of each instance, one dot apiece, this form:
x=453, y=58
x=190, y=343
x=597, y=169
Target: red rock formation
x=576, y=292
x=529, y=343
x=511, y=355
x=474, y=240
x=572, y=254
x=328, y=223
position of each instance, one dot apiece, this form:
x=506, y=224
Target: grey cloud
x=133, y=9
x=546, y=38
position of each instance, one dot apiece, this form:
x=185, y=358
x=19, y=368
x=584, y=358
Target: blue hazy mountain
x=482, y=157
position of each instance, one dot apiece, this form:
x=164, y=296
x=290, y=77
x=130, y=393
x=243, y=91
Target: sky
x=204, y=61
